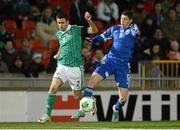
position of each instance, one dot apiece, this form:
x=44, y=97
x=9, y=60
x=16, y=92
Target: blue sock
x=88, y=92
x=118, y=105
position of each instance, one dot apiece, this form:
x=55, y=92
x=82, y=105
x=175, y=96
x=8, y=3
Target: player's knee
x=56, y=83
x=53, y=89
x=94, y=79
x=77, y=95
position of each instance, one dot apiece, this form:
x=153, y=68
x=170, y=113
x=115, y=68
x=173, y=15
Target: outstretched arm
x=92, y=27
x=97, y=39
x=103, y=37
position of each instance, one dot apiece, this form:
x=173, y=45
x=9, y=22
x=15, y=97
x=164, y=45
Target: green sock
x=50, y=102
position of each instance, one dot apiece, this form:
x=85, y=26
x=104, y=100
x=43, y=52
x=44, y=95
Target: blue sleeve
x=108, y=33
x=97, y=39
x=105, y=35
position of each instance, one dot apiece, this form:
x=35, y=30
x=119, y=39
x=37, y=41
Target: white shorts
x=73, y=75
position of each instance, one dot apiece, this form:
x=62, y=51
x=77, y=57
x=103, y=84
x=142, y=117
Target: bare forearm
x=57, y=54
x=93, y=26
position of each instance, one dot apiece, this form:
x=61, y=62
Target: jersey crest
x=127, y=31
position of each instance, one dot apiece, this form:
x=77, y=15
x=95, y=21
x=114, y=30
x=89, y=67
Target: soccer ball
x=87, y=104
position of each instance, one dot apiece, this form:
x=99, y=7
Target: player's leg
x=75, y=77
x=88, y=91
x=123, y=93
x=58, y=80
x=99, y=74
x=93, y=81
x=56, y=83
x=122, y=78
x=77, y=94
x=103, y=71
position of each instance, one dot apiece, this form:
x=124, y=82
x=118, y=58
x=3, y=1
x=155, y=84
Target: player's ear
x=67, y=21
x=131, y=20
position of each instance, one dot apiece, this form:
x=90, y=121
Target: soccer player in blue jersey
x=116, y=62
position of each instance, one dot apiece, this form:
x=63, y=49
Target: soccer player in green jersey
x=69, y=66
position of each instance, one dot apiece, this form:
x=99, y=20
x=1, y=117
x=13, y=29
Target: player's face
x=125, y=21
x=62, y=23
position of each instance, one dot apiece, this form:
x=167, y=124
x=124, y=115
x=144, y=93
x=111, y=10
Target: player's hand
x=87, y=16
x=56, y=57
x=88, y=39
x=135, y=28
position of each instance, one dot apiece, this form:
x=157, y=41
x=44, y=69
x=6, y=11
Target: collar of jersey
x=127, y=27
x=68, y=28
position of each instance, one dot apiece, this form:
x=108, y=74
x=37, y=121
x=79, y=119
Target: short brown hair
x=128, y=13
x=62, y=15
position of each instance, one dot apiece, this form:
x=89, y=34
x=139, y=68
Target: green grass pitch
x=95, y=125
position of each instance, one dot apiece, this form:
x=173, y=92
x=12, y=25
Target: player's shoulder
x=58, y=33
x=76, y=26
x=115, y=27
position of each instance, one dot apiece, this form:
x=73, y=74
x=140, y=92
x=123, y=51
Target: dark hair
x=128, y=13
x=171, y=8
x=9, y=40
x=62, y=15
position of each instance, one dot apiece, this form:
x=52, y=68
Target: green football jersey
x=70, y=45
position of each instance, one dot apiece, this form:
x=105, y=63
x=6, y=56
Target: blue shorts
x=120, y=70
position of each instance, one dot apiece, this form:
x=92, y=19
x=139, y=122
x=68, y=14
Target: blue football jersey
x=123, y=41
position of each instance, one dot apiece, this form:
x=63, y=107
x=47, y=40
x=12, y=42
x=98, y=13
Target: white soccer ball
x=87, y=104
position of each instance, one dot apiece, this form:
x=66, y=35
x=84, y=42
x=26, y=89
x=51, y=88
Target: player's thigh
x=122, y=75
x=94, y=79
x=59, y=78
x=123, y=94
x=75, y=77
x=55, y=84
x=61, y=73
x=105, y=69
